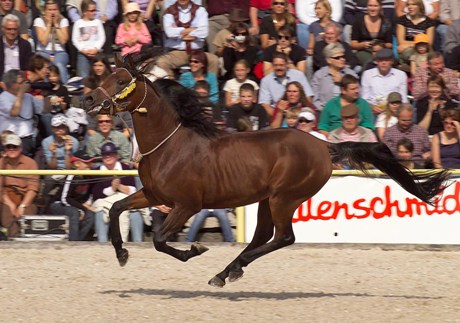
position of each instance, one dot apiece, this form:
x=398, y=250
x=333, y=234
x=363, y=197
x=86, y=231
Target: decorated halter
x=111, y=101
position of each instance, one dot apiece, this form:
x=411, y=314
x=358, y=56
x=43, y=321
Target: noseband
x=111, y=101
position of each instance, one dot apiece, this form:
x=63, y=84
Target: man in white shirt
x=186, y=27
x=378, y=82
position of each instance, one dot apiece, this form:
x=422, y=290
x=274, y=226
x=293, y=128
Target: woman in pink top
x=132, y=34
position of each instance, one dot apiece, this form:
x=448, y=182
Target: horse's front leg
x=133, y=202
x=165, y=226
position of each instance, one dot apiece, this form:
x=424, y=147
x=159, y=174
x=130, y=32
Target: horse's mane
x=184, y=101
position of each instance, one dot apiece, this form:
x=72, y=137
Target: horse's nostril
x=89, y=99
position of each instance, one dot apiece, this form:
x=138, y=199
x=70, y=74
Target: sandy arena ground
x=82, y=282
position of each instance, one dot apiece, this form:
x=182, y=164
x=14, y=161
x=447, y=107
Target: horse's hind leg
x=132, y=202
x=263, y=233
x=164, y=227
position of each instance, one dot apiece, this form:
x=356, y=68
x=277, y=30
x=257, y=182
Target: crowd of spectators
x=342, y=70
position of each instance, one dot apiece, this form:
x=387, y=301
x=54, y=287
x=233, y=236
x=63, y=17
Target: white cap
x=307, y=115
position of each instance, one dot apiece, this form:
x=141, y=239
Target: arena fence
x=240, y=211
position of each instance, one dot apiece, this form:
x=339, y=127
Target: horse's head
x=117, y=92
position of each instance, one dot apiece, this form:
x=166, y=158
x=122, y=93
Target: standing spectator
x=200, y=217
x=132, y=34
x=350, y=129
x=273, y=85
x=445, y=144
x=435, y=67
x=247, y=109
x=199, y=71
x=186, y=27
x=293, y=100
x=388, y=117
x=18, y=192
x=75, y=199
x=17, y=109
x=53, y=33
x=326, y=81
x=405, y=128
x=107, y=134
x=415, y=22
x=59, y=147
x=305, y=11
x=430, y=108
x=330, y=117
x=107, y=192
x=285, y=43
x=15, y=52
x=88, y=37
x=6, y=8
x=232, y=87
x=271, y=24
x=369, y=28
x=379, y=81
x=332, y=34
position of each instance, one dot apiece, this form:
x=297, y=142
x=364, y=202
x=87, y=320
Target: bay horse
x=188, y=164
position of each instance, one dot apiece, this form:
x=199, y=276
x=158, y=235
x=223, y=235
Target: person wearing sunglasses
x=17, y=192
x=306, y=122
x=259, y=9
x=270, y=25
x=445, y=145
x=326, y=81
x=285, y=43
x=6, y=8
x=105, y=134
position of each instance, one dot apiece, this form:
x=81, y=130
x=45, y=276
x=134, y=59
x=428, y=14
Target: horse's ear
x=130, y=63
x=117, y=59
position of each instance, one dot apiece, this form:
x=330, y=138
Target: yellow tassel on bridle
x=127, y=91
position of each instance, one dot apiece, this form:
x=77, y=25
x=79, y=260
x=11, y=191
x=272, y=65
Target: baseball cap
x=394, y=97
x=108, y=148
x=421, y=38
x=12, y=139
x=58, y=120
x=384, y=53
x=307, y=115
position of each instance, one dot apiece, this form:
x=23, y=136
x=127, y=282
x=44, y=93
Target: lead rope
x=139, y=157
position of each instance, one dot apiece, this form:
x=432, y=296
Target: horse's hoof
x=198, y=248
x=216, y=282
x=123, y=257
x=233, y=276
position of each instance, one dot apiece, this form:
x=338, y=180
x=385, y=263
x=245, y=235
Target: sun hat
x=132, y=7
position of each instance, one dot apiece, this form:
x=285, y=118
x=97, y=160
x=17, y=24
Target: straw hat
x=132, y=7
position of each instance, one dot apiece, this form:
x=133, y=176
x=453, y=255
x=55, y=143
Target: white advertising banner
x=355, y=209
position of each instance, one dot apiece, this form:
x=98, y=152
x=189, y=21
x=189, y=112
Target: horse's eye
x=120, y=82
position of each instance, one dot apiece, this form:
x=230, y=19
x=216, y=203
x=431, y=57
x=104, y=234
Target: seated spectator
x=18, y=192
x=38, y=72
x=452, y=46
x=420, y=57
x=88, y=36
x=271, y=24
x=17, y=110
x=272, y=86
x=353, y=10
x=150, y=18
x=377, y=82
x=7, y=8
x=107, y=192
x=211, y=110
x=375, y=48
x=52, y=31
x=415, y=22
x=238, y=47
x=326, y=81
x=305, y=11
x=15, y=52
x=75, y=199
x=330, y=117
x=292, y=117
x=259, y=9
x=59, y=147
x=199, y=71
x=232, y=87
x=445, y=145
x=132, y=34
x=323, y=11
x=57, y=99
x=186, y=27
x=306, y=122
x=350, y=129
x=198, y=221
x=431, y=8
x=294, y=99
x=370, y=28
x=388, y=117
x=247, y=109
x=107, y=134
x=285, y=43
x=405, y=128
x=405, y=154
x=449, y=12
x=226, y=36
x=100, y=70
x=332, y=34
x=430, y=107
x=222, y=19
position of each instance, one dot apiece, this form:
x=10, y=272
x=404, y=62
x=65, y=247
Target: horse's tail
x=423, y=185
